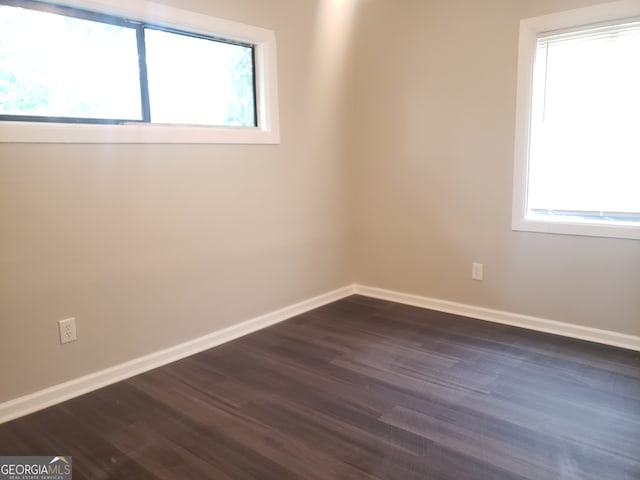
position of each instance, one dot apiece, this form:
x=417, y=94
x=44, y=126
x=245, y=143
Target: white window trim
x=530, y=28
x=267, y=131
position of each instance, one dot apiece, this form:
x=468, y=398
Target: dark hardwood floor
x=360, y=389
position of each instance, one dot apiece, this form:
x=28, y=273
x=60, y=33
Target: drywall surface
x=432, y=117
x=148, y=246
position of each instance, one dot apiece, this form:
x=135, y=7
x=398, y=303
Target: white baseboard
x=59, y=393
x=532, y=323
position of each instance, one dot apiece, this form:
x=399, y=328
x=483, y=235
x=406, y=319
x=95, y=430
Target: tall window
x=62, y=65
x=580, y=152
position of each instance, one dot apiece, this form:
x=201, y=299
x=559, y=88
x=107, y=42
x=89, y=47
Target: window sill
x=19, y=132
x=624, y=230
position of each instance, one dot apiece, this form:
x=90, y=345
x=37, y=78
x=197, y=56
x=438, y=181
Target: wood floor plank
x=360, y=389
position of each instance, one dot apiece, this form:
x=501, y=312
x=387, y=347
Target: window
x=578, y=123
x=69, y=74
x=186, y=89
x=61, y=67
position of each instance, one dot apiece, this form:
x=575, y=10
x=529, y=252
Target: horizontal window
x=173, y=77
x=578, y=153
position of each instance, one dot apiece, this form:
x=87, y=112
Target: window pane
x=199, y=81
x=58, y=66
x=585, y=138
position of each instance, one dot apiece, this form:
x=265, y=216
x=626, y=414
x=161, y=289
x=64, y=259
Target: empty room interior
x=409, y=250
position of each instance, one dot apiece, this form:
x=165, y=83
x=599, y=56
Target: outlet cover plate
x=67, y=330
x=477, y=271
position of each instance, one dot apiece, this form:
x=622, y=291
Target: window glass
x=584, y=158
x=59, y=66
x=199, y=81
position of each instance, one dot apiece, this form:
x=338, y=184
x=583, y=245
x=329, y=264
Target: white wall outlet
x=67, y=329
x=477, y=271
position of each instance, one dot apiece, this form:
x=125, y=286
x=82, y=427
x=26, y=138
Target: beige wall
x=432, y=129
x=401, y=185
x=150, y=246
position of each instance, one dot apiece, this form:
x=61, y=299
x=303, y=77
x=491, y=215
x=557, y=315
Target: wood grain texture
x=360, y=389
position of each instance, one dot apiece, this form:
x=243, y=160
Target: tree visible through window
x=59, y=66
x=66, y=65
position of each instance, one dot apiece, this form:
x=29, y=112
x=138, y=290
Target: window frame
x=530, y=29
x=171, y=19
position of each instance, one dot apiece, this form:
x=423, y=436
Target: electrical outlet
x=477, y=271
x=67, y=329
